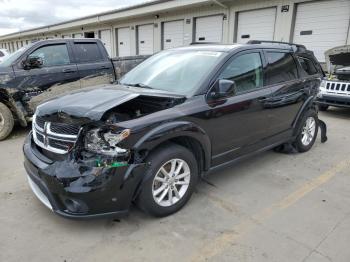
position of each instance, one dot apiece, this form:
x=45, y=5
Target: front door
x=241, y=121
x=56, y=76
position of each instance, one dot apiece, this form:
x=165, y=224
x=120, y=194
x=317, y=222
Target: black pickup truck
x=50, y=68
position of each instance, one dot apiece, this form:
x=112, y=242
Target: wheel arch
x=183, y=133
x=308, y=105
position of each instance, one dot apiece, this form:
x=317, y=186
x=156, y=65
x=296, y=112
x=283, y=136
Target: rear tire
x=170, y=180
x=6, y=121
x=308, y=132
x=323, y=107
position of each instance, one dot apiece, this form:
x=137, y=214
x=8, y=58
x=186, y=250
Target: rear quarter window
x=307, y=65
x=87, y=52
x=281, y=67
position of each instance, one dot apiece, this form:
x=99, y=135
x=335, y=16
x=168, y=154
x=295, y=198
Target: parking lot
x=273, y=207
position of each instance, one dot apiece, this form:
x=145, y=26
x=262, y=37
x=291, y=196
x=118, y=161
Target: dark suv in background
x=169, y=121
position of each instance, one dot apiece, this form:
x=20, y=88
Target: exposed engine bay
x=138, y=107
x=338, y=63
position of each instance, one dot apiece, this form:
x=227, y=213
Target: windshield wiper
x=139, y=85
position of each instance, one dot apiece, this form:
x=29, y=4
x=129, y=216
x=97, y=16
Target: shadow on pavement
x=341, y=113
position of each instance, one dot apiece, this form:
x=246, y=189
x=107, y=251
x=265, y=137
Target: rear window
x=281, y=67
x=307, y=65
x=87, y=52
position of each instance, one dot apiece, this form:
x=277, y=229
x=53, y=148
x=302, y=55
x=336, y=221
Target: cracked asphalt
x=273, y=207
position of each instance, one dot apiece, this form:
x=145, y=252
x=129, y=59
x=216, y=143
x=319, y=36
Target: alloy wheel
x=308, y=131
x=171, y=182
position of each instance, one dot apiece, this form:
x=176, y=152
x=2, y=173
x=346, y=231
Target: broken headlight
x=105, y=141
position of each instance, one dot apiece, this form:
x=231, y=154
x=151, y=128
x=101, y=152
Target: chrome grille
x=336, y=88
x=40, y=122
x=55, y=137
x=64, y=129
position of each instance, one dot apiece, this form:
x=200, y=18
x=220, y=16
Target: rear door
x=93, y=63
x=287, y=87
x=57, y=75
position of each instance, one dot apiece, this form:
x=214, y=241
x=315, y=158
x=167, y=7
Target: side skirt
x=251, y=154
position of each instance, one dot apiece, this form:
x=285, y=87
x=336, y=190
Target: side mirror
x=223, y=88
x=33, y=62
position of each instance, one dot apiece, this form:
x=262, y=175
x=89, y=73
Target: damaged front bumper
x=77, y=189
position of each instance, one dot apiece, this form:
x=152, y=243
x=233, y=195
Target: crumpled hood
x=93, y=103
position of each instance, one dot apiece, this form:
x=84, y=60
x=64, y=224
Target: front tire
x=308, y=132
x=6, y=121
x=170, y=180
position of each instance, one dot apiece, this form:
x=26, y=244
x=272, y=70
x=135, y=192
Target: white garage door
x=106, y=38
x=209, y=29
x=173, y=34
x=256, y=25
x=145, y=39
x=123, y=37
x=322, y=25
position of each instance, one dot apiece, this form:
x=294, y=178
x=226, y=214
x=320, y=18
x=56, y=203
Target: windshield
x=178, y=72
x=12, y=57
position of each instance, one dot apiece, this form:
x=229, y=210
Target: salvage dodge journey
x=149, y=138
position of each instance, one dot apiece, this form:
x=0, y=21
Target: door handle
x=68, y=70
x=105, y=67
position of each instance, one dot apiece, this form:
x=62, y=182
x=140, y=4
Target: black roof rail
x=298, y=46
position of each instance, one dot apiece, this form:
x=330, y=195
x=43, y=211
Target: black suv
x=172, y=119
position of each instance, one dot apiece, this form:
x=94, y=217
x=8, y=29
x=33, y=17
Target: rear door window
x=281, y=67
x=307, y=65
x=87, y=52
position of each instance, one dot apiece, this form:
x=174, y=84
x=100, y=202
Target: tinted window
x=281, y=67
x=87, y=52
x=52, y=55
x=246, y=71
x=307, y=65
